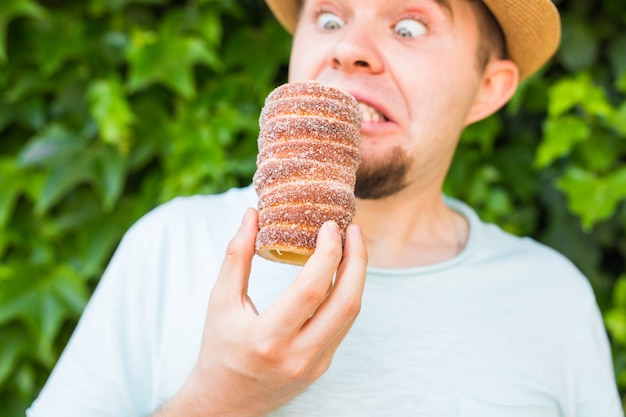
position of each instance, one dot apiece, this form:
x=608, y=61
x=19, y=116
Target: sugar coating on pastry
x=306, y=167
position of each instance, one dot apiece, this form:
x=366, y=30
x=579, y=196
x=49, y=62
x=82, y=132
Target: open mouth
x=370, y=114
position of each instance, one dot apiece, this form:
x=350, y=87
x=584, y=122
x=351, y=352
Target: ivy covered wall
x=111, y=107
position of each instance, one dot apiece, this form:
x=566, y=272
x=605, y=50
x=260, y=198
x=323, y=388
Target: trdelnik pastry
x=306, y=167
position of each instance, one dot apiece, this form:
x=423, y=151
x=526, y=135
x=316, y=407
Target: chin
x=382, y=176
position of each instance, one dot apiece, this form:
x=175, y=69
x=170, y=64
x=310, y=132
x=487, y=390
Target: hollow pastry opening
x=284, y=256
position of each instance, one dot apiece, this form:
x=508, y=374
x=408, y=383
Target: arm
x=251, y=364
x=596, y=387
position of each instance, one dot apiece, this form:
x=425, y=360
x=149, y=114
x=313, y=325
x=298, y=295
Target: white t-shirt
x=507, y=328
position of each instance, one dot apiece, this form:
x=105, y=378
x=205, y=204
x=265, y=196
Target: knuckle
x=330, y=252
x=313, y=294
x=266, y=348
x=351, y=307
x=363, y=255
x=357, y=255
x=298, y=370
x=267, y=351
x=233, y=247
x=335, y=253
x=318, y=370
x=284, y=363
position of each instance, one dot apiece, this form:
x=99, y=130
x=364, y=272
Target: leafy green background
x=110, y=107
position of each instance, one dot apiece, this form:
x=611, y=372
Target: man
x=455, y=317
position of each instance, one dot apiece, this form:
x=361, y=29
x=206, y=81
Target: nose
x=356, y=50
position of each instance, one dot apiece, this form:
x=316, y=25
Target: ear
x=498, y=84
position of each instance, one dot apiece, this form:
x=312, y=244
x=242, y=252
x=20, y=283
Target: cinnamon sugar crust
x=306, y=167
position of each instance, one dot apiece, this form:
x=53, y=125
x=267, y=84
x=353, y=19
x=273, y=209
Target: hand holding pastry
x=251, y=364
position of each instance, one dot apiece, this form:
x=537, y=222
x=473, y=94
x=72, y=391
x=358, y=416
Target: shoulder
x=528, y=254
x=204, y=207
x=523, y=261
x=218, y=213
x=176, y=246
x=184, y=229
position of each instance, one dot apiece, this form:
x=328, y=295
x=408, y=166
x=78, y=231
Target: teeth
x=370, y=114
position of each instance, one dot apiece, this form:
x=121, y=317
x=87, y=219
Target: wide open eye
x=410, y=28
x=329, y=21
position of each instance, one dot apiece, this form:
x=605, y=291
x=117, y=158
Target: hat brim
x=532, y=28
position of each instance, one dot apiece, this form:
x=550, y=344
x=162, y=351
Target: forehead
x=444, y=4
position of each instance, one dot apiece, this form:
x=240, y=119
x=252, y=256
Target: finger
x=343, y=303
x=355, y=257
x=323, y=361
x=232, y=280
x=306, y=293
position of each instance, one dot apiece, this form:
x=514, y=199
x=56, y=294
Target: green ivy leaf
x=11, y=9
x=25, y=379
x=247, y=46
x=579, y=91
x=601, y=153
x=211, y=26
x=43, y=304
x=560, y=136
x=62, y=178
x=15, y=344
x=619, y=120
x=619, y=292
x=99, y=7
x=595, y=103
x=579, y=46
x=53, y=143
x=617, y=54
x=58, y=40
x=615, y=320
x=483, y=132
x=110, y=109
x=176, y=57
x=29, y=84
x=10, y=189
x=591, y=197
x=566, y=94
x=29, y=113
x=621, y=83
x=96, y=252
x=111, y=176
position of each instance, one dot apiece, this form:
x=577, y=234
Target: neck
x=403, y=231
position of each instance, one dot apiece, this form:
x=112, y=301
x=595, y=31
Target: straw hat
x=532, y=28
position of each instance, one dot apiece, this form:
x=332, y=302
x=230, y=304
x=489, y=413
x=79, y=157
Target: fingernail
x=246, y=217
x=332, y=227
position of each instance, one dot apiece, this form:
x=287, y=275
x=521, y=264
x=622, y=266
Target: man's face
x=412, y=66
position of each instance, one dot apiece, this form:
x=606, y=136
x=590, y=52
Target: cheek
x=445, y=98
x=295, y=72
x=438, y=116
x=305, y=58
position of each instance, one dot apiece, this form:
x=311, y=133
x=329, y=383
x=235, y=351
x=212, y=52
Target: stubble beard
x=383, y=176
